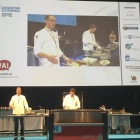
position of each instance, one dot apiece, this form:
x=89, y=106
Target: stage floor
x=26, y=138
x=28, y=135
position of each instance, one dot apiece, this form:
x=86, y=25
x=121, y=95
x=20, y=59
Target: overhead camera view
x=65, y=40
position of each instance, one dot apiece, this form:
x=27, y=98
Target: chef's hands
x=12, y=106
x=71, y=107
x=99, y=48
x=52, y=58
x=68, y=59
x=77, y=107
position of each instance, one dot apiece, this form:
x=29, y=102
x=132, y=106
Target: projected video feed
x=72, y=40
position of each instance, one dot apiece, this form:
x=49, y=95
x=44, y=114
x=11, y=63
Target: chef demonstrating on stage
x=18, y=103
x=71, y=101
x=46, y=44
x=89, y=42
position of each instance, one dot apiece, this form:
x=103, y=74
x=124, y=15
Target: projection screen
x=90, y=44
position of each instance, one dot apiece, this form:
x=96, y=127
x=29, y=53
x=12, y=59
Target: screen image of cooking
x=66, y=40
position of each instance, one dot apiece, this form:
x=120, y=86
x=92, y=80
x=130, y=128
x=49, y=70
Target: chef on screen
x=46, y=44
x=112, y=37
x=18, y=103
x=71, y=101
x=89, y=42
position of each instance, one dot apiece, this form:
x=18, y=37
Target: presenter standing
x=46, y=44
x=19, y=104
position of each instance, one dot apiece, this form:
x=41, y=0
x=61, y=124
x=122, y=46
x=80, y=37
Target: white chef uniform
x=19, y=102
x=71, y=102
x=88, y=37
x=47, y=41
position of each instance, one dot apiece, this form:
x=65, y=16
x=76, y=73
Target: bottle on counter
x=88, y=62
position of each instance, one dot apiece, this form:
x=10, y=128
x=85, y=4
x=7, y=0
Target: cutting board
x=91, y=60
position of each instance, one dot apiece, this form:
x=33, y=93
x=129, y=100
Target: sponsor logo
x=128, y=46
x=127, y=58
x=130, y=28
x=5, y=65
x=131, y=36
x=98, y=137
x=130, y=13
x=8, y=10
x=133, y=79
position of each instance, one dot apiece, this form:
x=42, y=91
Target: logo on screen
x=131, y=36
x=97, y=137
x=128, y=46
x=125, y=27
x=5, y=64
x=134, y=78
x=130, y=28
x=10, y=9
x=130, y=13
x=127, y=57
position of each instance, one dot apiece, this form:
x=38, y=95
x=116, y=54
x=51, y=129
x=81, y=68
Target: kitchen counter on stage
x=31, y=122
x=79, y=124
x=109, y=54
x=77, y=116
x=106, y=56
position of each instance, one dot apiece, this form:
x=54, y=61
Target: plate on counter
x=75, y=63
x=104, y=62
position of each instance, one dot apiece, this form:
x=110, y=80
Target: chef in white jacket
x=89, y=42
x=18, y=103
x=71, y=101
x=46, y=44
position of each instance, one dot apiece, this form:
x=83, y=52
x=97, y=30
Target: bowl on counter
x=104, y=62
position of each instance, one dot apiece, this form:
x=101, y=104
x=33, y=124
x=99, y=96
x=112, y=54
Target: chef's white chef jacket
x=44, y=42
x=71, y=102
x=88, y=37
x=19, y=102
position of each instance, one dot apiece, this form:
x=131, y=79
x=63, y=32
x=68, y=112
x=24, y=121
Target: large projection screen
x=109, y=63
